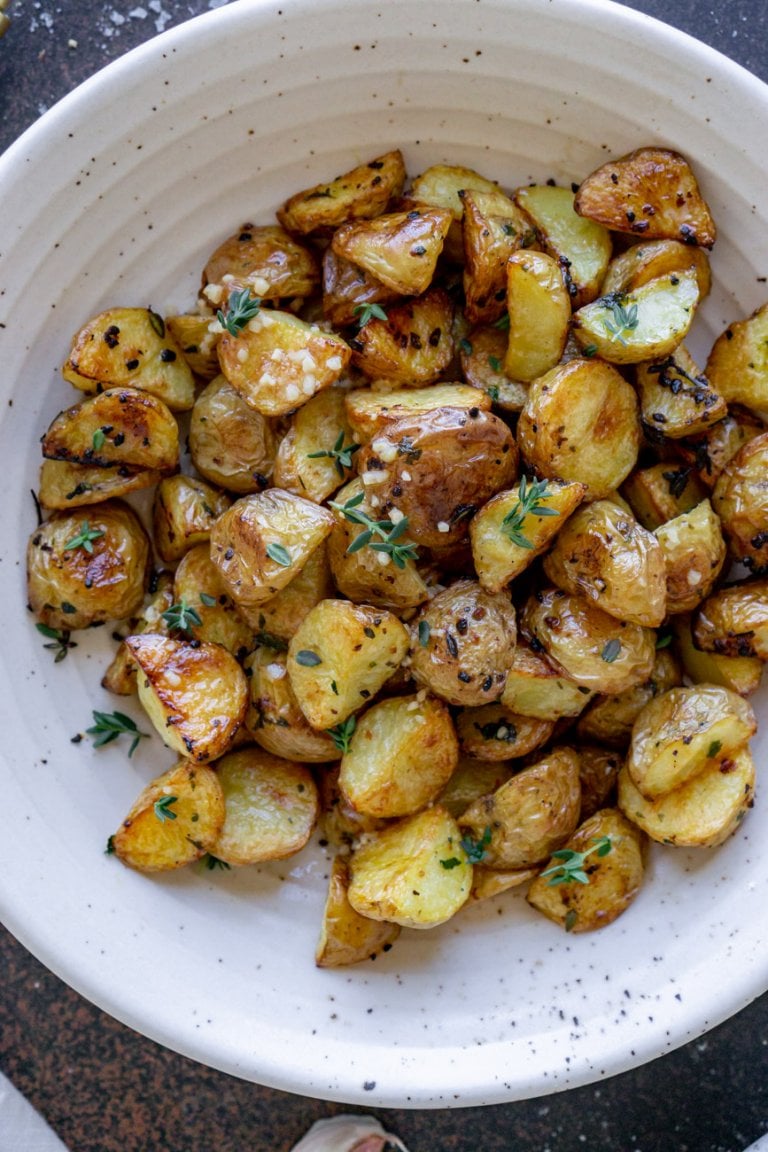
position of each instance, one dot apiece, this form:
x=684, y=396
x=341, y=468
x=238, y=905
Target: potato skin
x=470, y=642
x=694, y=555
x=275, y=720
x=733, y=621
x=346, y=937
x=740, y=499
x=71, y=587
x=231, y=444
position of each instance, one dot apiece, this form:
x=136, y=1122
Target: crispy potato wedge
x=412, y=873
x=271, y=807
x=646, y=324
x=490, y=882
x=482, y=353
x=277, y=362
x=740, y=499
x=412, y=347
x=316, y=455
x=231, y=444
x=662, y=492
x=401, y=756
x=694, y=555
x=88, y=567
x=120, y=675
x=197, y=585
x=581, y=247
x=175, y=820
x=681, y=730
x=640, y=263
x=608, y=720
x=183, y=512
x=700, y=814
x=733, y=621
x=64, y=485
x=340, y=656
x=400, y=249
x=346, y=937
x=191, y=331
x=437, y=469
x=463, y=643
x=275, y=719
x=195, y=693
x=536, y=688
x=130, y=347
x=539, y=310
x=676, y=400
x=603, y=554
x=493, y=228
x=263, y=541
x=651, y=192
x=492, y=732
x=347, y=288
x=738, y=363
x=120, y=427
x=472, y=779
x=264, y=259
x=580, y=423
x=594, y=649
x=740, y=674
x=522, y=822
x=359, y=194
x=442, y=186
x=613, y=880
x=369, y=412
x=276, y=619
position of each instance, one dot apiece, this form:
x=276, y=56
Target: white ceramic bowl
x=116, y=196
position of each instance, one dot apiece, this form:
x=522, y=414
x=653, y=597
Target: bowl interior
x=116, y=197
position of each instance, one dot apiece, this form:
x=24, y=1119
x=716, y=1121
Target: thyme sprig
x=181, y=617
x=342, y=733
x=60, y=641
x=108, y=726
x=530, y=495
x=341, y=454
x=163, y=810
x=366, y=312
x=84, y=538
x=474, y=850
x=621, y=321
x=241, y=308
x=387, y=533
x=571, y=868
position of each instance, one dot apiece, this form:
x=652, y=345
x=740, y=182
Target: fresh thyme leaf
x=342, y=733
x=98, y=439
x=664, y=641
x=424, y=632
x=110, y=848
x=387, y=532
x=530, y=495
x=714, y=748
x=157, y=323
x=341, y=454
x=267, y=640
x=493, y=392
x=207, y=599
x=451, y=862
x=162, y=808
x=308, y=658
x=571, y=917
x=366, y=312
x=502, y=323
x=611, y=650
x=241, y=308
x=60, y=641
x=211, y=863
x=589, y=351
x=465, y=347
x=84, y=538
x=474, y=850
x=108, y=726
x=495, y=363
x=622, y=320
x=279, y=554
x=571, y=866
x=181, y=617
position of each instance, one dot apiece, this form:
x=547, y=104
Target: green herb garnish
x=211, y=862
x=424, y=632
x=571, y=868
x=495, y=363
x=611, y=650
x=241, y=308
x=181, y=617
x=530, y=495
x=621, y=320
x=342, y=733
x=84, y=538
x=162, y=808
x=714, y=748
x=308, y=658
x=341, y=454
x=207, y=599
x=279, y=554
x=366, y=312
x=99, y=437
x=474, y=850
x=60, y=641
x=108, y=726
x=451, y=862
x=387, y=531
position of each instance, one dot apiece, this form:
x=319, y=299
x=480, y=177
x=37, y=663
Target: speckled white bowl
x=116, y=196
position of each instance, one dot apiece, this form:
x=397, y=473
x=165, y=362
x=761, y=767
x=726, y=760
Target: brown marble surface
x=104, y=1088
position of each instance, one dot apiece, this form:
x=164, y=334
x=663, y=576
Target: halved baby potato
x=275, y=720
x=738, y=363
x=120, y=427
x=492, y=732
x=412, y=347
x=539, y=310
x=733, y=621
x=184, y=510
x=400, y=249
x=694, y=554
x=346, y=937
x=359, y=194
x=536, y=687
x=231, y=444
x=369, y=412
x=263, y=259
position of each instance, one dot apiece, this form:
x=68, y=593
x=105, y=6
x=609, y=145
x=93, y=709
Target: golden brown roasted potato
x=195, y=693
x=263, y=259
x=662, y=492
x=369, y=412
x=175, y=820
x=130, y=347
x=640, y=263
x=733, y=621
x=609, y=719
x=613, y=879
x=183, y=512
x=197, y=585
x=401, y=755
x=263, y=541
x=580, y=423
x=708, y=455
x=271, y=807
x=437, y=469
x=412, y=347
x=522, y=822
x=676, y=400
x=539, y=310
x=121, y=427
x=492, y=732
x=700, y=814
x=191, y=331
x=645, y=324
x=580, y=246
x=482, y=352
x=278, y=618
x=231, y=444
x=88, y=567
x=737, y=366
x=412, y=873
x=277, y=362
x=64, y=485
x=463, y=643
x=442, y=186
x=740, y=674
x=493, y=228
x=360, y=194
x=120, y=675
x=594, y=649
x=346, y=937
x=275, y=719
x=535, y=687
x=340, y=656
x=400, y=249
x=651, y=192
x=694, y=555
x=316, y=454
x=603, y=554
x=348, y=288
x=740, y=499
x=679, y=732
x=598, y=773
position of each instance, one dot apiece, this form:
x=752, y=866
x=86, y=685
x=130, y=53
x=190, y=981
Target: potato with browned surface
x=400, y=249
x=494, y=227
x=359, y=194
x=694, y=555
x=740, y=674
x=370, y=411
x=184, y=510
x=275, y=720
x=347, y=937
x=493, y=732
x=609, y=719
x=408, y=345
x=536, y=687
x=211, y=613
x=738, y=366
x=263, y=259
x=740, y=499
x=231, y=444
x=733, y=621
x=676, y=399
x=317, y=453
x=539, y=310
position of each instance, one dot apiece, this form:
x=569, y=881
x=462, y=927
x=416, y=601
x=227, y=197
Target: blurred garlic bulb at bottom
x=348, y=1134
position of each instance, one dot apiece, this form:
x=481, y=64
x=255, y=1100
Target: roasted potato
x=263, y=259
x=120, y=675
x=694, y=555
x=482, y=352
x=445, y=186
x=183, y=512
x=276, y=619
x=231, y=444
x=740, y=674
x=120, y=427
x=346, y=937
x=609, y=719
x=412, y=347
x=370, y=412
x=191, y=331
x=740, y=499
x=198, y=586
x=347, y=289
x=539, y=310
x=400, y=249
x=737, y=365
x=536, y=688
x=64, y=485
x=360, y=194
x=676, y=400
x=598, y=773
x=88, y=567
x=733, y=621
x=316, y=454
x=492, y=732
x=494, y=227
x=275, y=720
x=661, y=492
x=640, y=263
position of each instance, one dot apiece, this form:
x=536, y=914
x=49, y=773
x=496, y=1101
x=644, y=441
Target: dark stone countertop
x=104, y=1088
